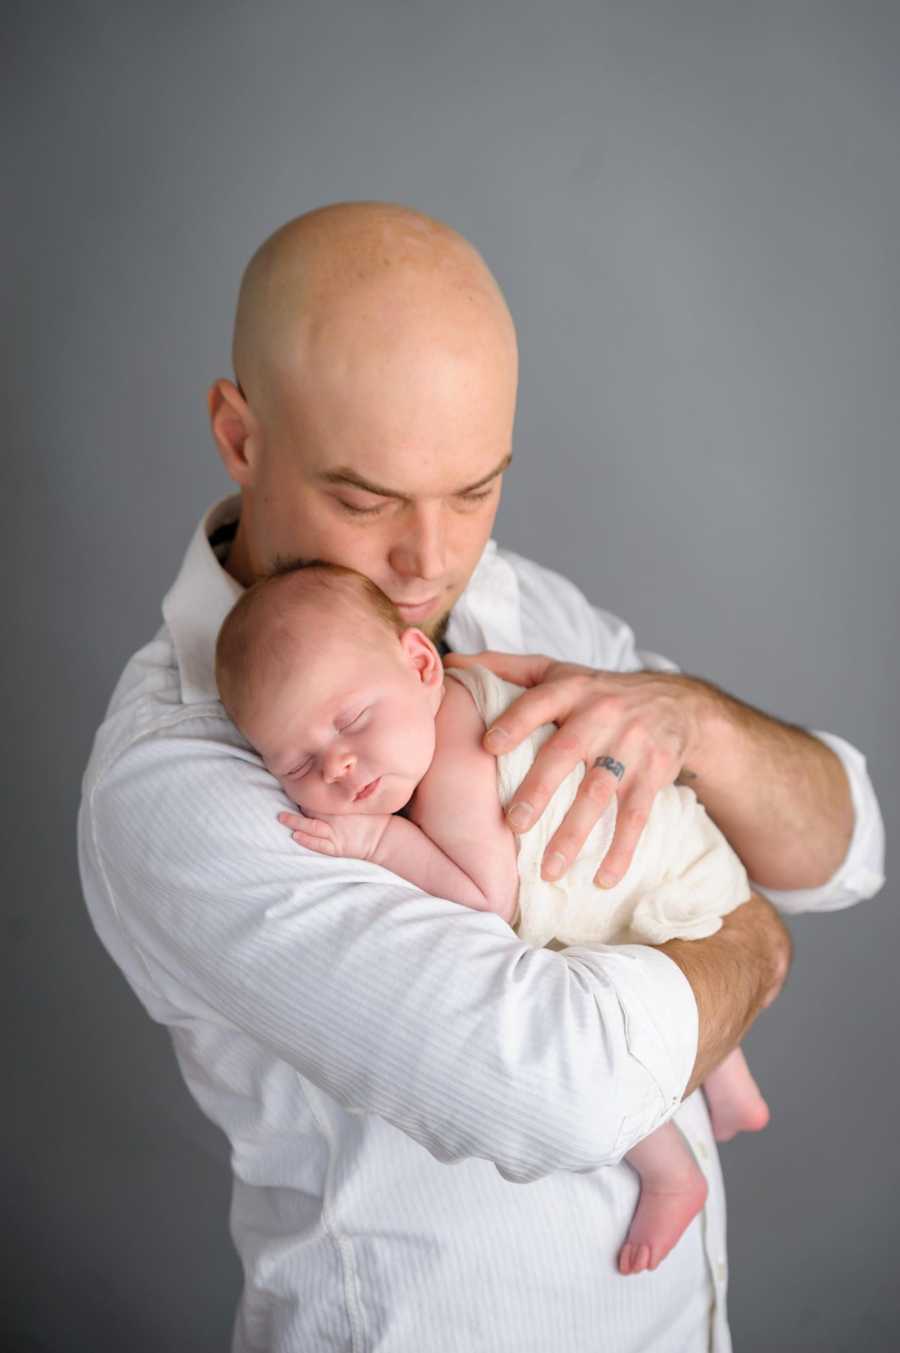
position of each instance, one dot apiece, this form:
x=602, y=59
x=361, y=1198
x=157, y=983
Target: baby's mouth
x=366, y=790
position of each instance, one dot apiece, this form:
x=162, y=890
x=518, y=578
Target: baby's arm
x=393, y=843
x=457, y=804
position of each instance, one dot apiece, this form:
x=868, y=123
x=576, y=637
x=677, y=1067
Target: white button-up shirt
x=427, y=1117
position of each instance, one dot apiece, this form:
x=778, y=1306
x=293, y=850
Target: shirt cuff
x=660, y=1017
x=861, y=873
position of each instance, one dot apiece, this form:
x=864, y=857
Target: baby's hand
x=357, y=835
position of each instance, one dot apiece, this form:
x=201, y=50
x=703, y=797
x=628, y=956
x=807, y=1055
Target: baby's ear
x=422, y=656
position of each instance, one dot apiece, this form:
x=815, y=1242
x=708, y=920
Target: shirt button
x=720, y=1272
x=702, y=1151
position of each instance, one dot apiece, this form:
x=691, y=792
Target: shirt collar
x=486, y=615
x=197, y=603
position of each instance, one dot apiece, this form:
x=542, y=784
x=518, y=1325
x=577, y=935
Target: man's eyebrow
x=344, y=474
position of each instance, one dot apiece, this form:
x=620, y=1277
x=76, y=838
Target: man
x=427, y=1117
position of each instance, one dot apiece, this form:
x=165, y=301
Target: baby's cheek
x=400, y=796
x=295, y=795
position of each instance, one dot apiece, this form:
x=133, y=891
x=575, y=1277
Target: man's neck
x=237, y=561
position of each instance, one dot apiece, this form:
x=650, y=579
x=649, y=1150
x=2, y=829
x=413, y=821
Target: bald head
x=354, y=277
x=377, y=374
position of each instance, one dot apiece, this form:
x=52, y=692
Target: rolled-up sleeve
x=861, y=872
x=430, y=1015
x=661, y=1023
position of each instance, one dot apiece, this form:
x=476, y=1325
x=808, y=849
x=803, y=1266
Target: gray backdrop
x=693, y=210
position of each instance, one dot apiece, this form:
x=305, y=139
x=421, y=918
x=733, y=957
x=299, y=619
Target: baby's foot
x=662, y=1216
x=729, y=1114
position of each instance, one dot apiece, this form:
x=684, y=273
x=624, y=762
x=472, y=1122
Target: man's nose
x=421, y=550
x=336, y=763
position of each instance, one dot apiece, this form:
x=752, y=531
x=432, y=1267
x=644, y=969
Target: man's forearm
x=779, y=794
x=733, y=974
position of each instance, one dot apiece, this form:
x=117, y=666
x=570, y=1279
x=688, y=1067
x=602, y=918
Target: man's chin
x=436, y=629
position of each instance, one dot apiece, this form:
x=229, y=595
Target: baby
x=350, y=711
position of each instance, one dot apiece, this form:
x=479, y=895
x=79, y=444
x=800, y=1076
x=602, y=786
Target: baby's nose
x=337, y=765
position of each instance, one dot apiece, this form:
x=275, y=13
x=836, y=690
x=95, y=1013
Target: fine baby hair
x=265, y=623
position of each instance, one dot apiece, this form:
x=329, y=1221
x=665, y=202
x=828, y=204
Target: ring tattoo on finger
x=611, y=764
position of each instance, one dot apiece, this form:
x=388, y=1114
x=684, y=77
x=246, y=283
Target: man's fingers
x=562, y=751
x=575, y=828
x=634, y=809
x=529, y=711
x=524, y=669
x=595, y=793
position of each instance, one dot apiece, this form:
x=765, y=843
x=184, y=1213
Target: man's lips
x=412, y=610
x=367, y=790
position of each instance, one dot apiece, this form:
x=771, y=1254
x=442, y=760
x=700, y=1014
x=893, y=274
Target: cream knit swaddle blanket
x=683, y=878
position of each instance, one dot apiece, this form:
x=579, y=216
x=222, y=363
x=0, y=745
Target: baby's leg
x=733, y=1097
x=673, y=1190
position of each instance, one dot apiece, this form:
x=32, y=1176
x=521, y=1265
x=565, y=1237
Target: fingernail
x=605, y=879
x=495, y=738
x=519, y=816
x=554, y=866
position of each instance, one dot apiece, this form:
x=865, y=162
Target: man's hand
x=634, y=731
x=353, y=835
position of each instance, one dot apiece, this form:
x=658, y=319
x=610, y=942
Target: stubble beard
x=437, y=629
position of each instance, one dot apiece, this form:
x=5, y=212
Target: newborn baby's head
x=316, y=668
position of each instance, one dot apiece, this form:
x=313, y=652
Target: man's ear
x=423, y=657
x=236, y=431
